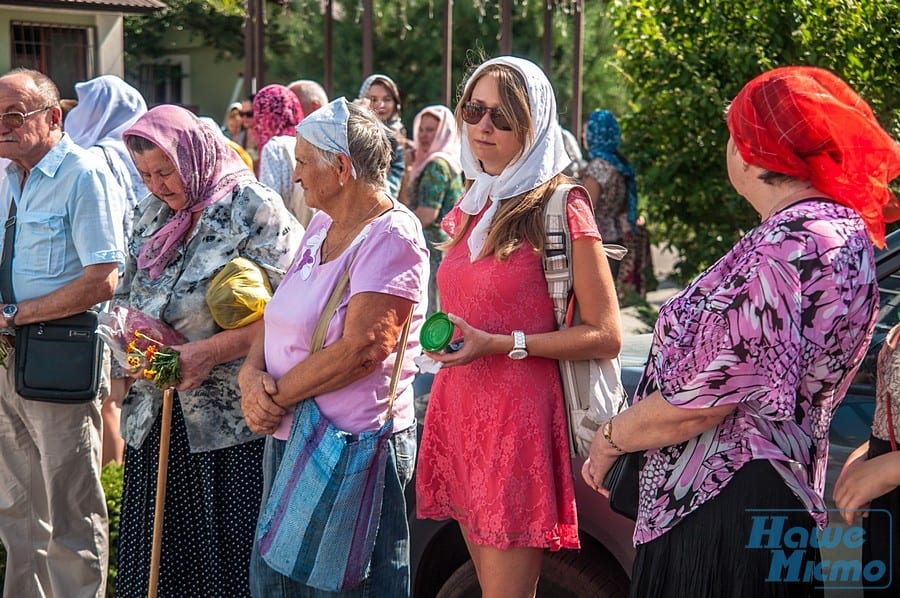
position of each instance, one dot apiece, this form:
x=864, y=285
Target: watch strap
x=518, y=339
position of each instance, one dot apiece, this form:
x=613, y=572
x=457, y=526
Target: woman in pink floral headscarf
x=277, y=112
x=204, y=209
x=434, y=182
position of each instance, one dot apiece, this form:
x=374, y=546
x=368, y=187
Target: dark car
x=441, y=564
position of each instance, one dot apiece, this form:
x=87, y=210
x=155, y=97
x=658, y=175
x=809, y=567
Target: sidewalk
x=663, y=262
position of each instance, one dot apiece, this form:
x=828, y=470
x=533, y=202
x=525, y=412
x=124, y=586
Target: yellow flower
x=134, y=361
x=149, y=374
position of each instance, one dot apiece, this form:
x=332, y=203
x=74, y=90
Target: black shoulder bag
x=58, y=360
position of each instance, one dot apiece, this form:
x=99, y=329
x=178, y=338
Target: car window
x=888, y=316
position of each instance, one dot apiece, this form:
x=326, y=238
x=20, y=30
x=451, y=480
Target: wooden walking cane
x=162, y=470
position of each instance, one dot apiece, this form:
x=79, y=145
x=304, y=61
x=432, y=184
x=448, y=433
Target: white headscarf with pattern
x=542, y=158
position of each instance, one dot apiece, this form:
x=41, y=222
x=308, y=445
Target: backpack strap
x=557, y=257
x=557, y=253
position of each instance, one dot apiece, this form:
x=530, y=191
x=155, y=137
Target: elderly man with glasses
x=62, y=250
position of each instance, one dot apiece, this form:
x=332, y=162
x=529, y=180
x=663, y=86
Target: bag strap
x=557, y=258
x=398, y=366
x=318, y=336
x=9, y=239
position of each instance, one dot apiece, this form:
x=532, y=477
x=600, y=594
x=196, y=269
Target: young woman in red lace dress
x=494, y=454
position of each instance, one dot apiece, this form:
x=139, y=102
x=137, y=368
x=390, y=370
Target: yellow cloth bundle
x=238, y=294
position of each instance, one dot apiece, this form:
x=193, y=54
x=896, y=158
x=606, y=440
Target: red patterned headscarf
x=807, y=123
x=276, y=111
x=207, y=167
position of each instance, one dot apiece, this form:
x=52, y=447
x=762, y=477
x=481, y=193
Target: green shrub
x=111, y=478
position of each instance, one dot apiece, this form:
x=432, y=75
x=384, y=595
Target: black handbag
x=59, y=360
x=622, y=482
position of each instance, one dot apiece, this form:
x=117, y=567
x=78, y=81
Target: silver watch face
x=10, y=310
x=518, y=354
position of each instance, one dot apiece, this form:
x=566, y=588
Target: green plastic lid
x=436, y=332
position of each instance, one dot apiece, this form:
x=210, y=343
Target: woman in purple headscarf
x=205, y=209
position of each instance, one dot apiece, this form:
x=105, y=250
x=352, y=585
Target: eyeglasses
x=248, y=114
x=473, y=113
x=14, y=120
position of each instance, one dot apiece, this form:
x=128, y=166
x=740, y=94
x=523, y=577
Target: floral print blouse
x=438, y=187
x=611, y=207
x=777, y=327
x=250, y=222
x=887, y=388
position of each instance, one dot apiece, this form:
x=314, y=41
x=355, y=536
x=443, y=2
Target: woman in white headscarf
x=435, y=181
x=107, y=106
x=494, y=454
x=380, y=93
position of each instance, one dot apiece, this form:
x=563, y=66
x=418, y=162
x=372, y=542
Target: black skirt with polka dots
x=212, y=504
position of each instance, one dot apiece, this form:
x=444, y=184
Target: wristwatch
x=518, y=351
x=9, y=314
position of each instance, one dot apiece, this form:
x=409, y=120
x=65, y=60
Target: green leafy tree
x=218, y=22
x=683, y=62
x=408, y=44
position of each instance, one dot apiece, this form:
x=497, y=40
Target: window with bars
x=63, y=53
x=161, y=82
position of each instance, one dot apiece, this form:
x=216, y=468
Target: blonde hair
x=520, y=218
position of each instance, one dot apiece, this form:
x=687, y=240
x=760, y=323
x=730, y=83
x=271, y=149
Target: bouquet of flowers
x=142, y=344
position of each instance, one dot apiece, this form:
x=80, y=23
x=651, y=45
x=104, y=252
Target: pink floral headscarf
x=276, y=111
x=446, y=142
x=207, y=167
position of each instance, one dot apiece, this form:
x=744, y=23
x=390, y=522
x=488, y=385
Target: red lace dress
x=494, y=453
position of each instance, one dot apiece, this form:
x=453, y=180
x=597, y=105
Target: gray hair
x=308, y=91
x=138, y=144
x=46, y=88
x=368, y=141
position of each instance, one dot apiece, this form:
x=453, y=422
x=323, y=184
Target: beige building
x=76, y=40
x=69, y=40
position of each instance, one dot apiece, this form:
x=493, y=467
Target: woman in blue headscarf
x=609, y=179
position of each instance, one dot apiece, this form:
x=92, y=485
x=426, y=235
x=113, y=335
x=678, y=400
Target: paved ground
x=663, y=262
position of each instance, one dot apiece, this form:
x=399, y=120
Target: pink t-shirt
x=388, y=256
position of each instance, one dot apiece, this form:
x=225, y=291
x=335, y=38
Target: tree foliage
x=683, y=62
x=219, y=22
x=407, y=43
x=408, y=47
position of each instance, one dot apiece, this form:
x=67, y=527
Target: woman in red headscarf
x=749, y=361
x=277, y=112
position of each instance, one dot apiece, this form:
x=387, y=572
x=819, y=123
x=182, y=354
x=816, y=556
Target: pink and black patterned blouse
x=777, y=327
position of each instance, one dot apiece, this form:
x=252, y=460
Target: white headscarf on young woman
x=542, y=158
x=444, y=145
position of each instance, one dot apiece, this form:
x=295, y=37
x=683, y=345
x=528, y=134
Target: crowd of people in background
x=143, y=208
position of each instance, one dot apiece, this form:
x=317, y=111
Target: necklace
x=339, y=244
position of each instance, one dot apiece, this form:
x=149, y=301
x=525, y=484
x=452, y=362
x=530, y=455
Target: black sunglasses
x=473, y=113
x=248, y=114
